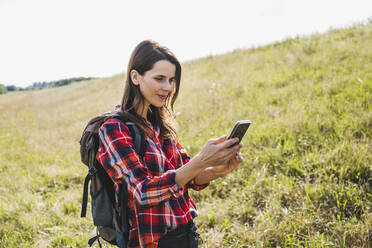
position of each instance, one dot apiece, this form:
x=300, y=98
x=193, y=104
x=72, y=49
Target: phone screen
x=239, y=129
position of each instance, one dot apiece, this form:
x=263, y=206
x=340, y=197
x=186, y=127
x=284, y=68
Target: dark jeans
x=182, y=237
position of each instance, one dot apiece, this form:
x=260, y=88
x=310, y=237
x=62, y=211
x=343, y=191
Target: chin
x=158, y=105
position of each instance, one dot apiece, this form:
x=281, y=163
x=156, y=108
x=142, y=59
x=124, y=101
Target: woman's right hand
x=216, y=151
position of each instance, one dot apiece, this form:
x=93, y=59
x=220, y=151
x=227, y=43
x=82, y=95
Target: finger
x=229, y=142
x=217, y=140
x=230, y=154
x=239, y=155
x=234, y=148
x=221, y=139
x=235, y=162
x=238, y=147
x=239, y=158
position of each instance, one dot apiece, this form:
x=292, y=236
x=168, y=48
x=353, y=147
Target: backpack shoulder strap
x=138, y=139
x=137, y=136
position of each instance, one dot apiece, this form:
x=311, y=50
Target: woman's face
x=156, y=84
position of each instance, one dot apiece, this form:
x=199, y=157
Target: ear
x=134, y=75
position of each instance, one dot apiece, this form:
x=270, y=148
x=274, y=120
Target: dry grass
x=306, y=178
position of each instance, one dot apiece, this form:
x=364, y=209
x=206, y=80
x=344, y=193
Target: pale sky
x=45, y=40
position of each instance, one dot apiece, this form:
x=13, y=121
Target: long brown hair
x=143, y=58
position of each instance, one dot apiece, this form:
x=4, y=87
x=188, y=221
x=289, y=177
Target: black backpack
x=112, y=225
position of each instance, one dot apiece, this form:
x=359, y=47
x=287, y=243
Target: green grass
x=306, y=179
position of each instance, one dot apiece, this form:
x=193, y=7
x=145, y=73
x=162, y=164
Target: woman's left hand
x=224, y=169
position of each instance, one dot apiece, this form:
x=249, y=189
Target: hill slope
x=306, y=179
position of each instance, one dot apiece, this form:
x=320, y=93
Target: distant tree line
x=42, y=85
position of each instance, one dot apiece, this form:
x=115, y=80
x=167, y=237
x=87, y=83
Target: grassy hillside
x=306, y=180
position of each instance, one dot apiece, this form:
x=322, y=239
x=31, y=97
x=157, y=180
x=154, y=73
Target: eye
x=159, y=79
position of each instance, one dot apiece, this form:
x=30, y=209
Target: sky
x=46, y=40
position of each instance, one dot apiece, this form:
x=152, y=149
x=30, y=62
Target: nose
x=167, y=87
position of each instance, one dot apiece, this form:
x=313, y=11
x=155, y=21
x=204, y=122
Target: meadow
x=306, y=179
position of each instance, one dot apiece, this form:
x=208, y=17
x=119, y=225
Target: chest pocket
x=161, y=157
x=155, y=159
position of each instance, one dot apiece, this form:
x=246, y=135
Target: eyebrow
x=161, y=75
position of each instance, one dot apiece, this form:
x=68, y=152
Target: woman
x=161, y=211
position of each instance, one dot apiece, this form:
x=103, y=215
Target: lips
x=162, y=97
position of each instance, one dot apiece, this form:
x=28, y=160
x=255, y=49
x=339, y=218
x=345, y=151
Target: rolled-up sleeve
x=185, y=159
x=117, y=155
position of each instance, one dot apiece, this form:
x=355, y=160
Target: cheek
x=153, y=85
x=149, y=87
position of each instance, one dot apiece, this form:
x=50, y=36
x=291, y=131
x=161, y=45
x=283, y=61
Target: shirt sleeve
x=117, y=155
x=185, y=159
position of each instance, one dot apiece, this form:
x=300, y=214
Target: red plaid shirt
x=156, y=203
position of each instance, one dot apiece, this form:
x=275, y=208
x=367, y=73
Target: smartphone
x=239, y=130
